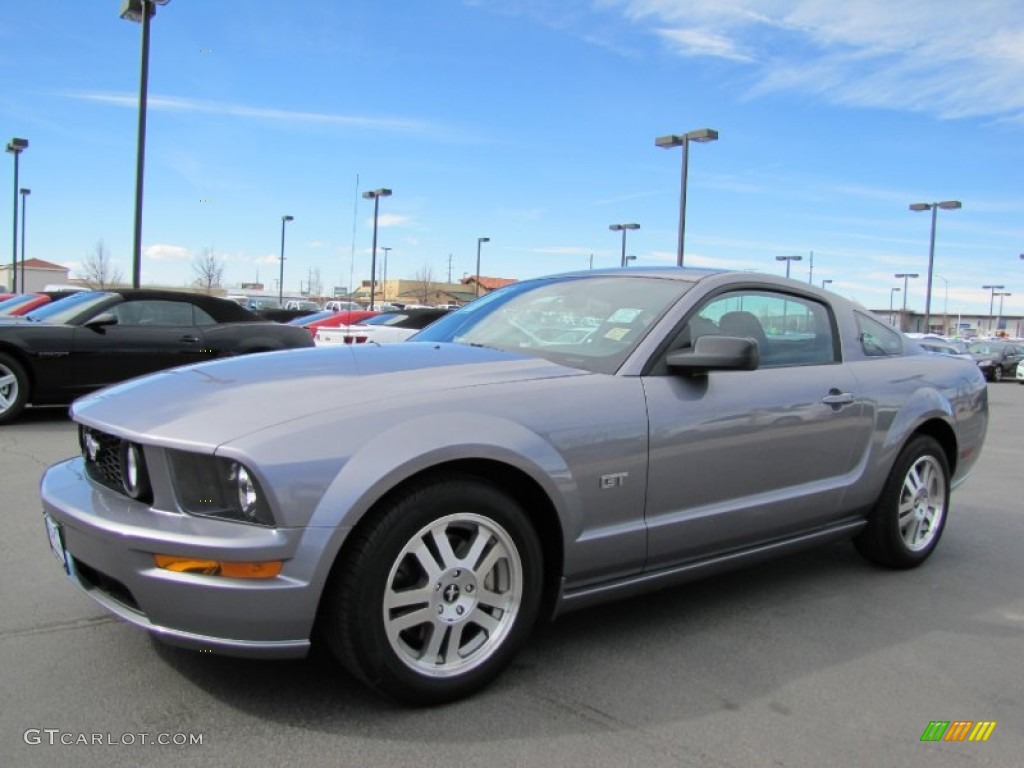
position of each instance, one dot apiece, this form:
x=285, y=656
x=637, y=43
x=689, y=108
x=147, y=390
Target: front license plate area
x=54, y=533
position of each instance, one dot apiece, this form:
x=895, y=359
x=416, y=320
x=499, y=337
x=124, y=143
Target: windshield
x=592, y=323
x=986, y=348
x=68, y=308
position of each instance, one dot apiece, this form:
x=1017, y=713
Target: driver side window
x=789, y=330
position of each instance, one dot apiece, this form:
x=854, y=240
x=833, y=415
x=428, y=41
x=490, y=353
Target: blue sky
x=531, y=122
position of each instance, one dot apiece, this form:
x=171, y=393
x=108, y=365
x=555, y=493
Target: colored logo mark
x=958, y=730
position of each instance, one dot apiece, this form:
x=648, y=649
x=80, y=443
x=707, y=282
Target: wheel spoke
x=7, y=380
x=408, y=620
x=493, y=599
x=431, y=654
x=407, y=598
x=485, y=621
x=480, y=540
x=489, y=562
x=426, y=560
x=439, y=536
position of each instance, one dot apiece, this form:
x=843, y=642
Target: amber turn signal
x=265, y=570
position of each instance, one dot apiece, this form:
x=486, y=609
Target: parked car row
x=66, y=348
x=384, y=328
x=560, y=442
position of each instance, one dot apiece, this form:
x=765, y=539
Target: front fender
x=416, y=445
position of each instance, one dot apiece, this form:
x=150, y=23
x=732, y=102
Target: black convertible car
x=89, y=340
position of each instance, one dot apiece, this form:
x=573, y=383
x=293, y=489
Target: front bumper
x=110, y=540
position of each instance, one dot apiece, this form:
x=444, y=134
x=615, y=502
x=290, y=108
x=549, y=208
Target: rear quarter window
x=877, y=339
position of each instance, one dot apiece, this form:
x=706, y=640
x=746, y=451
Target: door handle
x=835, y=397
x=189, y=339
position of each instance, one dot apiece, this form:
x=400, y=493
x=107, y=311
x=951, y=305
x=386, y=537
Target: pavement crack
x=58, y=626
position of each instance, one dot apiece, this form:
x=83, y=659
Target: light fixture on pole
x=905, y=276
x=24, y=194
x=629, y=259
x=947, y=205
x=375, y=195
x=479, y=242
x=280, y=281
x=15, y=147
x=892, y=292
x=141, y=11
x=789, y=260
x=825, y=282
x=623, y=228
x=384, y=275
x=701, y=135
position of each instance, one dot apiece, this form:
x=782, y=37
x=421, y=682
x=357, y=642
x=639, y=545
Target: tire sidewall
x=6, y=361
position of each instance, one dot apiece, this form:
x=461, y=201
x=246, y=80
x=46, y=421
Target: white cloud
x=943, y=57
x=176, y=104
x=389, y=220
x=167, y=253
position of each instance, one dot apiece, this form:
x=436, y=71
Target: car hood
x=212, y=403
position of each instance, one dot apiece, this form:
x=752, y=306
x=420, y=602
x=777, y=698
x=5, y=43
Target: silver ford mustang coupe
x=419, y=507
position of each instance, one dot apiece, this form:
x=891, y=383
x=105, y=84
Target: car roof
x=222, y=310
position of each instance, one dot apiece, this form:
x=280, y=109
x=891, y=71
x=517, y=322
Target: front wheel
x=13, y=388
x=436, y=592
x=908, y=519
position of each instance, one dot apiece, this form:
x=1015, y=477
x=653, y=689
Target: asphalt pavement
x=816, y=660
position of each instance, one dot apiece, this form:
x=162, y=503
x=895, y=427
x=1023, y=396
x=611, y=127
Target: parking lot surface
x=815, y=660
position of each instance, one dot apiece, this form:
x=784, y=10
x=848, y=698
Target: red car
x=22, y=303
x=331, y=319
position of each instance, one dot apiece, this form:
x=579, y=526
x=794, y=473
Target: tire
x=907, y=522
x=13, y=388
x=436, y=592
x=997, y=374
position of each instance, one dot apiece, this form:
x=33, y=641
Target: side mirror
x=717, y=353
x=102, y=320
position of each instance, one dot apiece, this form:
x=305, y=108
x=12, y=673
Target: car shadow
x=683, y=653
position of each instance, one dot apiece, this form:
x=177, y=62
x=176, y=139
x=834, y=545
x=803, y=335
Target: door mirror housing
x=716, y=353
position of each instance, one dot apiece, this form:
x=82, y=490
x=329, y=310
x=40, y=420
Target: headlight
x=134, y=477
x=212, y=486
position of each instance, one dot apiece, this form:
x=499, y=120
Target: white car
x=385, y=328
x=1020, y=373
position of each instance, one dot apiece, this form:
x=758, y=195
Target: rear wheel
x=434, y=596
x=13, y=388
x=910, y=514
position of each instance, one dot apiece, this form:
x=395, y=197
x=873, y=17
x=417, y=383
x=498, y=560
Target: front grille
x=104, y=457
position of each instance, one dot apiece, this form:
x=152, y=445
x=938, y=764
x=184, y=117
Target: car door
x=739, y=458
x=138, y=337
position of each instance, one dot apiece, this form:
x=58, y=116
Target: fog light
x=134, y=478
x=259, y=570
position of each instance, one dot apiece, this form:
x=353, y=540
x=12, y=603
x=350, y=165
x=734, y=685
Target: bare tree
x=99, y=270
x=209, y=270
x=316, y=283
x=423, y=283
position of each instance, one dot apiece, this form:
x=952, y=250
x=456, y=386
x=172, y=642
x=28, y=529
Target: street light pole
x=142, y=11
x=701, y=136
x=892, y=292
x=622, y=228
x=479, y=241
x=991, y=300
x=280, y=281
x=375, y=195
x=934, y=208
x=1001, y=294
x=825, y=282
x=24, y=194
x=384, y=275
x=789, y=260
x=906, y=276
x=15, y=147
